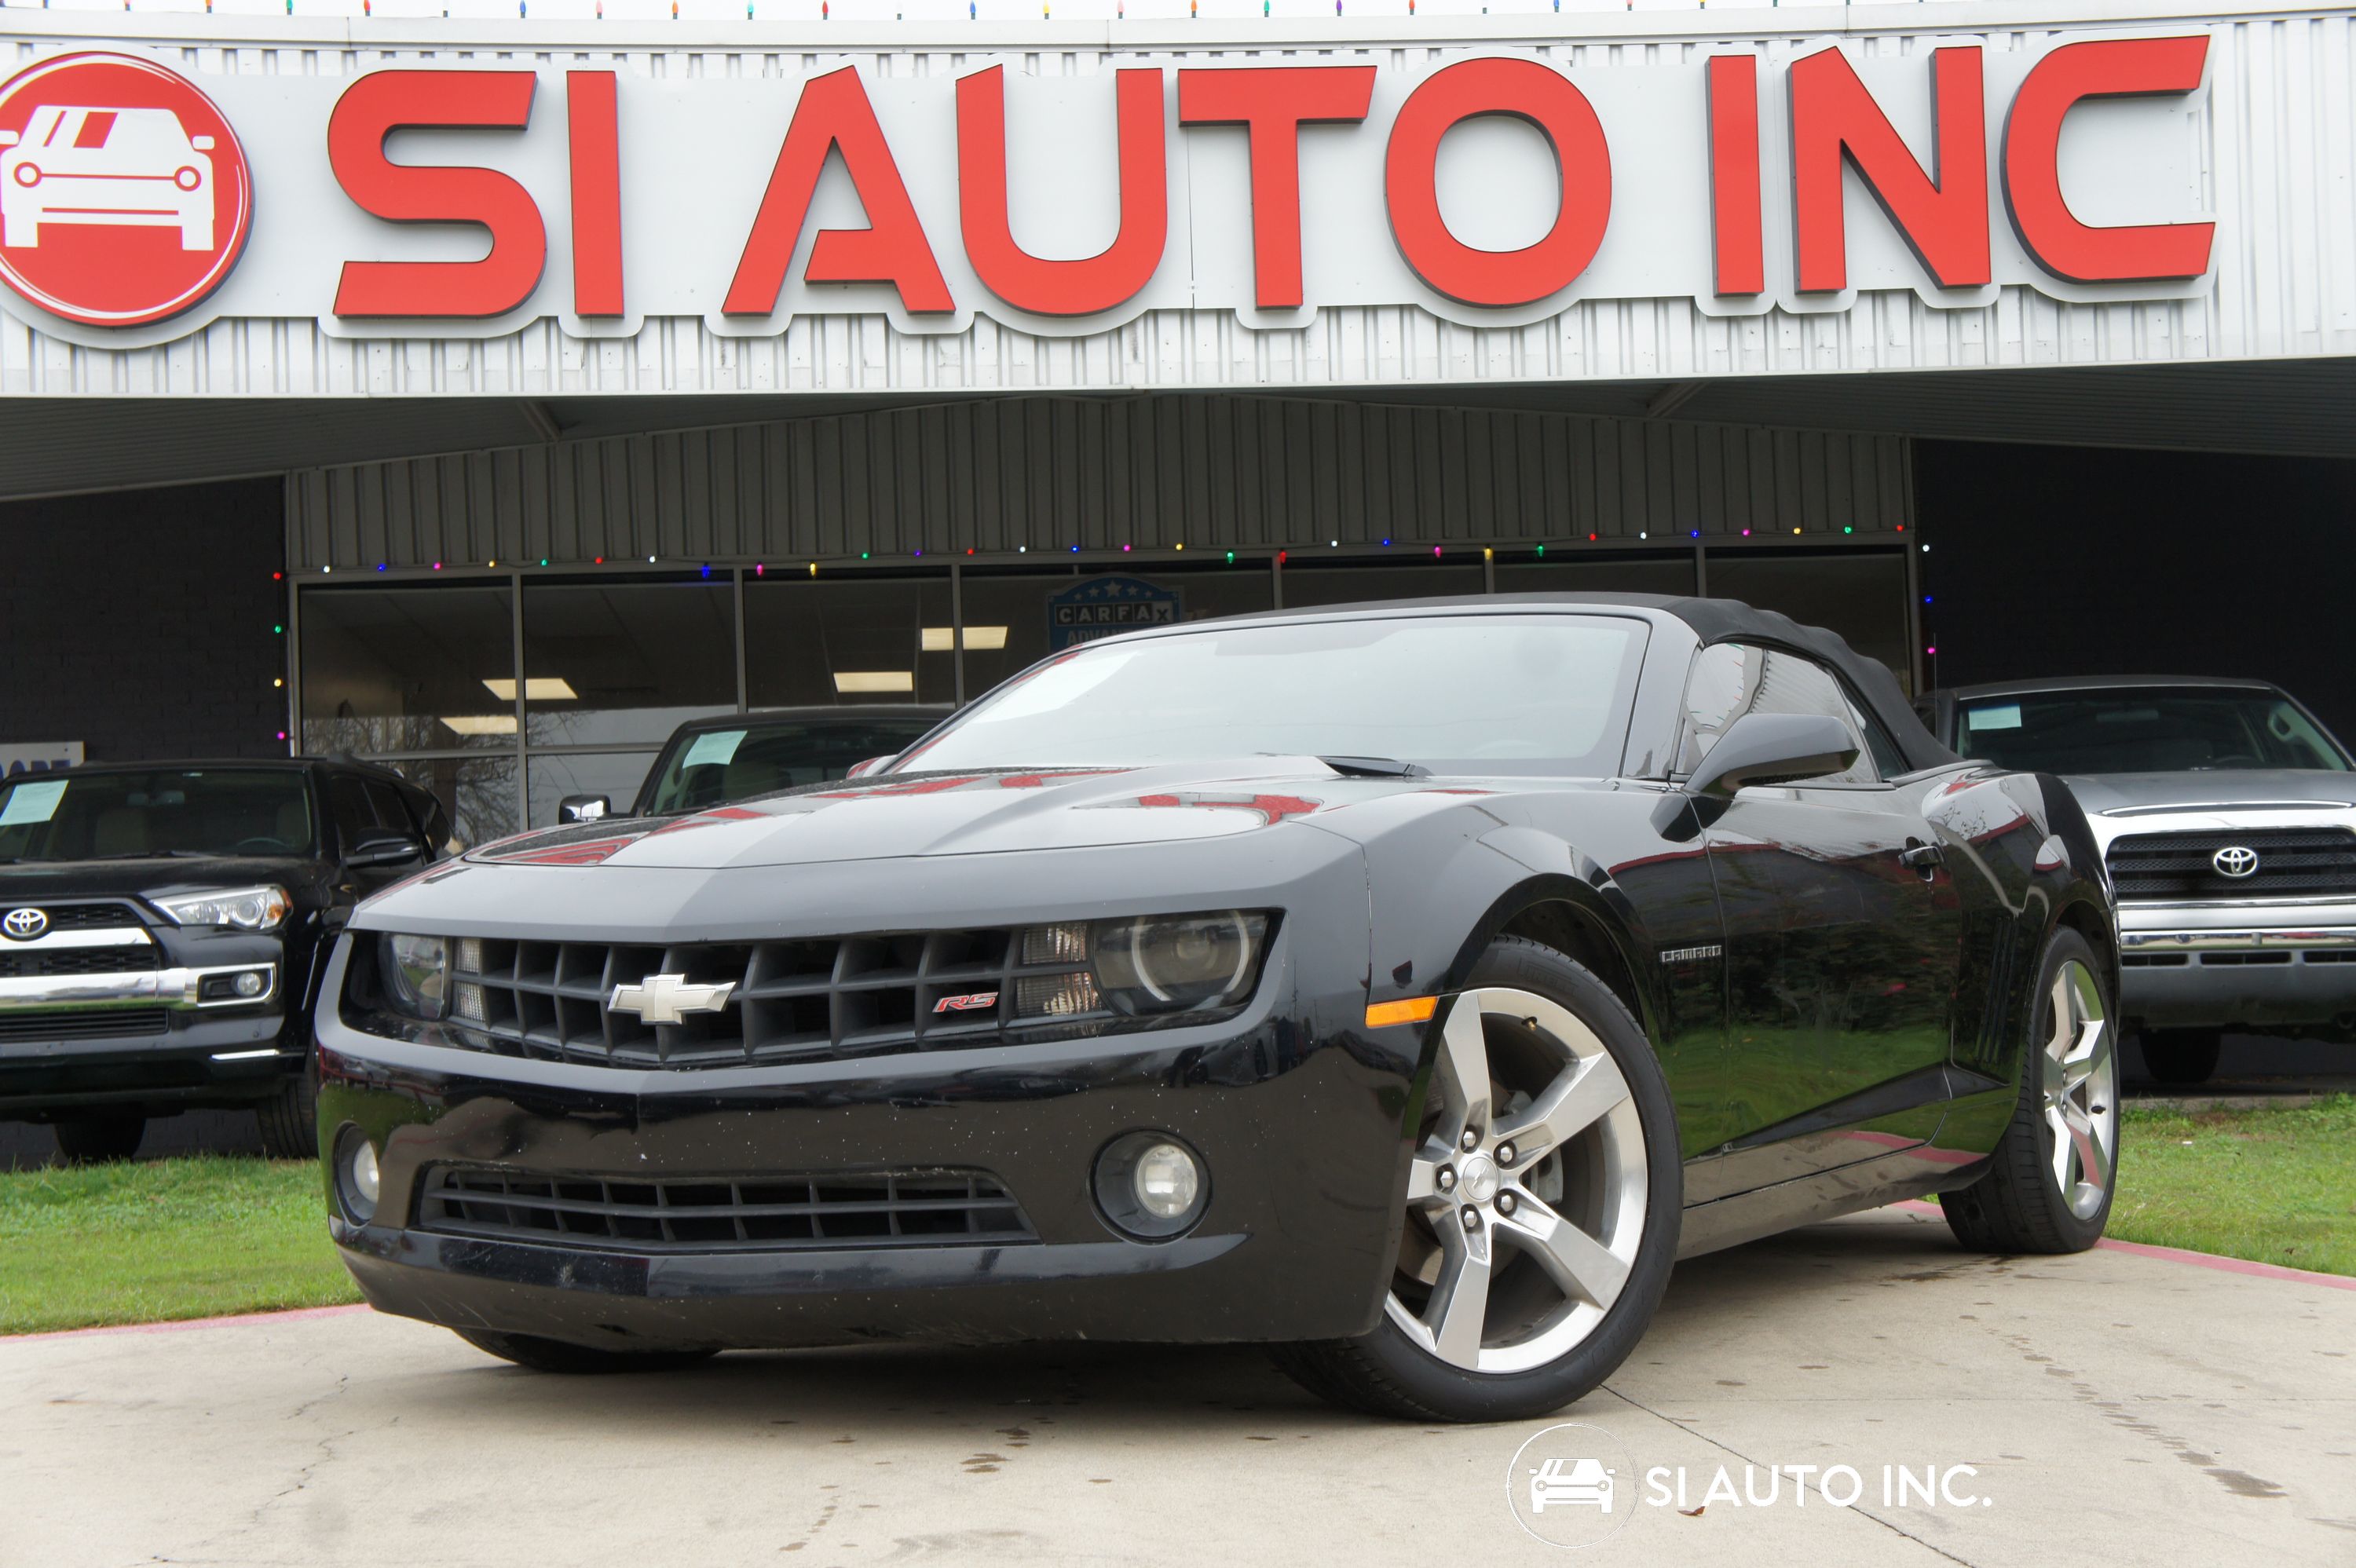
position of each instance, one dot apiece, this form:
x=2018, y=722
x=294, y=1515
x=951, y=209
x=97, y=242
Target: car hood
x=2235, y=789
x=34, y=880
x=971, y=814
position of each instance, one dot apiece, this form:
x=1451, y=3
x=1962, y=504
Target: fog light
x=250, y=984
x=1150, y=1186
x=356, y=1177
x=1165, y=1181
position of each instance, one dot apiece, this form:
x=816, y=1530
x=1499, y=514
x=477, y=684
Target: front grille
x=855, y=995
x=827, y=1212
x=94, y=1024
x=2293, y=863
x=79, y=917
x=30, y=962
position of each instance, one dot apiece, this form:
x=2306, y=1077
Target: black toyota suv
x=158, y=927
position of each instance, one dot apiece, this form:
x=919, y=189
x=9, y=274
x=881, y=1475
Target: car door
x=1843, y=937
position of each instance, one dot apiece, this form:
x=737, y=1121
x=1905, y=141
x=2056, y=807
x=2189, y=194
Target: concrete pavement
x=2116, y=1407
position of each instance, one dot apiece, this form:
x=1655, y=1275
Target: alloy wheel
x=2080, y=1065
x=1527, y=1196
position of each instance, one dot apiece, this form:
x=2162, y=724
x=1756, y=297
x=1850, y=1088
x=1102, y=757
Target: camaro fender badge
x=974, y=1003
x=1691, y=954
x=669, y=998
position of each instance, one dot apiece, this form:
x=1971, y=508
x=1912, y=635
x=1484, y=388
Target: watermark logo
x=1572, y=1485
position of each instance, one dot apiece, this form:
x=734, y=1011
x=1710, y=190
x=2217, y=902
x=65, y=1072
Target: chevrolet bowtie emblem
x=668, y=999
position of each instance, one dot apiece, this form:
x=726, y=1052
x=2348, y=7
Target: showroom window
x=814, y=642
x=1014, y=619
x=505, y=693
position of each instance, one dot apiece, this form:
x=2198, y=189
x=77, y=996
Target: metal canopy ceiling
x=2301, y=408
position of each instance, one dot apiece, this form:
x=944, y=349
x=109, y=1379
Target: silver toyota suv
x=2227, y=816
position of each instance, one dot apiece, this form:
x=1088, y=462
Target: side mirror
x=384, y=847
x=584, y=807
x=1773, y=749
x=201, y=143
x=7, y=138
x=861, y=770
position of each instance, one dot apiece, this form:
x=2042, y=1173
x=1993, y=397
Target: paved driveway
x=2115, y=1408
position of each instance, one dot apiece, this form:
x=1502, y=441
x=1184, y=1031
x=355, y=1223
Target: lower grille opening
x=2155, y=960
x=2237, y=958
x=824, y=1211
x=98, y=1023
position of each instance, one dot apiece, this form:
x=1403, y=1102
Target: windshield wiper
x=154, y=855
x=1376, y=768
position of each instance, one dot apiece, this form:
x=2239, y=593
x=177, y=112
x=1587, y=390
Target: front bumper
x=146, y=1041
x=2284, y=969
x=1297, y=1111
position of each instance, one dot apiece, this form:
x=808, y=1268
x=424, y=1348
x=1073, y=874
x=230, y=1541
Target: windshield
x=1457, y=694
x=196, y=811
x=713, y=767
x=2144, y=730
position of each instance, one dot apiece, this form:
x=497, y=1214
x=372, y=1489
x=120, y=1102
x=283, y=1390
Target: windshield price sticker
x=715, y=748
x=32, y=803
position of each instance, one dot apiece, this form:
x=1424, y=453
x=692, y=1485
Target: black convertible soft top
x=1718, y=621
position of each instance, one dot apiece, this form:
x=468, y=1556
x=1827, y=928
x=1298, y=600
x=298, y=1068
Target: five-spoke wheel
x=1527, y=1200
x=2047, y=1188
x=1541, y=1204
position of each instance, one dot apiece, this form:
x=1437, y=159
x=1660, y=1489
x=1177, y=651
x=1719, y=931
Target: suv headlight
x=1147, y=965
x=416, y=971
x=263, y=908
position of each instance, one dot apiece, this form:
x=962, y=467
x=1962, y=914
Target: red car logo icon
x=124, y=197
x=976, y=1002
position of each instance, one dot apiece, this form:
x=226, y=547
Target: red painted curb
x=181, y=1325
x=2197, y=1260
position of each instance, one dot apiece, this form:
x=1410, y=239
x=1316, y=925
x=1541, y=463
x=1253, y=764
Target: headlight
x=248, y=908
x=416, y=973
x=1149, y=965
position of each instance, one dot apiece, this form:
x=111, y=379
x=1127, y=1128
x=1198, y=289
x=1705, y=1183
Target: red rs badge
x=977, y=1002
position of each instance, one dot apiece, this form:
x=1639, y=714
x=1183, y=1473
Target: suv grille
x=2293, y=863
x=781, y=1214
x=855, y=995
x=76, y=960
x=79, y=917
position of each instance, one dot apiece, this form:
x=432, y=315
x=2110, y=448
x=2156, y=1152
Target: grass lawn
x=2274, y=1186
x=173, y=1238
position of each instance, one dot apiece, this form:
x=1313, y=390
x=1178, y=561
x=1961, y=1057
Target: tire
x=289, y=1119
x=2040, y=1194
x=555, y=1356
x=99, y=1140
x=1587, y=1225
x=2181, y=1057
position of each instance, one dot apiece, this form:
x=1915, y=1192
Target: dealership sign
x=1490, y=187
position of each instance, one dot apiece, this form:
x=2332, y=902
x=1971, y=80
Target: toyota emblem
x=24, y=924
x=2235, y=860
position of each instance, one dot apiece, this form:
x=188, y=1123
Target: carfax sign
x=1104, y=606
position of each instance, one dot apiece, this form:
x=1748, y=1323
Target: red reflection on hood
x=582, y=852
x=917, y=786
x=709, y=818
x=1272, y=808
x=1035, y=781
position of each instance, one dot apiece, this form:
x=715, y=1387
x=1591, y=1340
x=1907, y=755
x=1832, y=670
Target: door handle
x=1924, y=858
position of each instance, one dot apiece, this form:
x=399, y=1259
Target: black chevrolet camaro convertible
x=1407, y=986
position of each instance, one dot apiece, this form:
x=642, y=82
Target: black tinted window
x=1730, y=679
x=2153, y=729
x=736, y=763
x=187, y=811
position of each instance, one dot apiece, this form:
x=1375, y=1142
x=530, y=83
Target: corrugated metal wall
x=2283, y=182
x=1046, y=474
